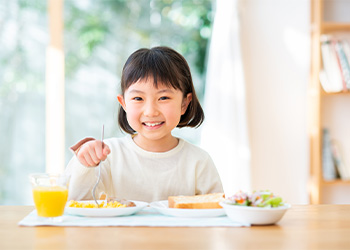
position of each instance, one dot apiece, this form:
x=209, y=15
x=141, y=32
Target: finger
x=92, y=154
x=85, y=159
x=106, y=150
x=99, y=149
x=90, y=162
x=82, y=160
x=81, y=156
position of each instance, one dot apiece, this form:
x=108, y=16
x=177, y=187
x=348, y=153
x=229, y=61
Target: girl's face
x=153, y=113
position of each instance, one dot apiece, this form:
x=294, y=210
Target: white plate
x=163, y=208
x=106, y=212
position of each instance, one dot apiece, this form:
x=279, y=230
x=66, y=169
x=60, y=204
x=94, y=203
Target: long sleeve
x=83, y=179
x=207, y=178
x=129, y=172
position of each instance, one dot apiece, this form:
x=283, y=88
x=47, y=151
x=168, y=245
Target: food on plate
x=204, y=201
x=109, y=204
x=104, y=196
x=122, y=201
x=255, y=199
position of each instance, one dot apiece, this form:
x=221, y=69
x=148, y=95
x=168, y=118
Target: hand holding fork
x=91, y=154
x=99, y=170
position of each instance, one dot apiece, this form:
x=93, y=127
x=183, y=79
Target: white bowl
x=254, y=215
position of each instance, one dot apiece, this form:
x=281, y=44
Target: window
x=98, y=38
x=23, y=39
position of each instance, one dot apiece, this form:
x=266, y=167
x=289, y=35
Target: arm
x=82, y=180
x=82, y=171
x=207, y=178
x=90, y=151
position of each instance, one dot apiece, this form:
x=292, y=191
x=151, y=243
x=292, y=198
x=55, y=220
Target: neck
x=159, y=145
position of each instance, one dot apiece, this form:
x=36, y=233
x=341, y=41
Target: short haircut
x=165, y=66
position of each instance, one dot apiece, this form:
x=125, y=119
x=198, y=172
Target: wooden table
x=302, y=227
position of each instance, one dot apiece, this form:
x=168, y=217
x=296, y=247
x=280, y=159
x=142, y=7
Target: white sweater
x=129, y=172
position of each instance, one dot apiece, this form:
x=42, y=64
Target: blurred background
x=261, y=47
x=98, y=38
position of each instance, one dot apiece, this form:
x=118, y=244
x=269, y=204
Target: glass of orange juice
x=50, y=194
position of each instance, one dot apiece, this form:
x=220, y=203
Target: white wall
x=276, y=54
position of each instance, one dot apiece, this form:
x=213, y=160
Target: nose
x=150, y=109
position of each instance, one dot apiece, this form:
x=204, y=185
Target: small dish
x=105, y=212
x=255, y=215
x=163, y=208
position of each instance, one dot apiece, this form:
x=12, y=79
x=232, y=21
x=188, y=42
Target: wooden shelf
x=335, y=93
x=336, y=182
x=327, y=27
x=317, y=101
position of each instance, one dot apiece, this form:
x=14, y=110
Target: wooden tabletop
x=302, y=227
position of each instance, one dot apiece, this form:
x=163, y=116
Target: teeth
x=152, y=124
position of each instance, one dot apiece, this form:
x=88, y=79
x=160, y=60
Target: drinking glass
x=50, y=194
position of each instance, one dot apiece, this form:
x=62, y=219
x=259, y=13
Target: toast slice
x=203, y=201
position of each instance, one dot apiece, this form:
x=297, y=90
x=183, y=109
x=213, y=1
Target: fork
x=99, y=170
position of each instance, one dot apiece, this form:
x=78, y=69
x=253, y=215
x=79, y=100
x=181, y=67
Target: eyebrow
x=159, y=92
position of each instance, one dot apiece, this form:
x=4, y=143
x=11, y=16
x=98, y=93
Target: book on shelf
x=330, y=76
x=346, y=48
x=328, y=165
x=341, y=166
x=335, y=75
x=343, y=64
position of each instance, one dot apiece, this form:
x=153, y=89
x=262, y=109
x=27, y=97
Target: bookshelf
x=317, y=98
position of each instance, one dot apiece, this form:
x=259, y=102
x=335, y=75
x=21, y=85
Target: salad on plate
x=255, y=199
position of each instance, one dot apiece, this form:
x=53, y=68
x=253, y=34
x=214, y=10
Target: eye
x=164, y=98
x=137, y=98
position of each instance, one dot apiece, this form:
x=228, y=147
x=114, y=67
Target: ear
x=185, y=102
x=121, y=101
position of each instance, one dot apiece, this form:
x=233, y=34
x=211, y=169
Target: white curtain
x=225, y=132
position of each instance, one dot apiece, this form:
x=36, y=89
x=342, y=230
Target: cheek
x=174, y=113
x=131, y=115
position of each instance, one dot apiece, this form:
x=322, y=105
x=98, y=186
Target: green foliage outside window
x=98, y=38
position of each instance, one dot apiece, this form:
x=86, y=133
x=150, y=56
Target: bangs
x=153, y=65
x=163, y=66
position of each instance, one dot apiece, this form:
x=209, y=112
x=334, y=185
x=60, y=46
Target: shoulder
x=118, y=143
x=194, y=150
x=116, y=140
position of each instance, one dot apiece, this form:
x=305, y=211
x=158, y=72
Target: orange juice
x=50, y=201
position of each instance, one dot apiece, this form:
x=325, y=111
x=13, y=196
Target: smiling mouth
x=153, y=124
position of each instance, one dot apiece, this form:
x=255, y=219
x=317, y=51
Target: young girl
x=149, y=164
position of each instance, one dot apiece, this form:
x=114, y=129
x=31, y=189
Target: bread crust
x=206, y=201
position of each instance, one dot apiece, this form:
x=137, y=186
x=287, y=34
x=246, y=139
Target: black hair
x=165, y=66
